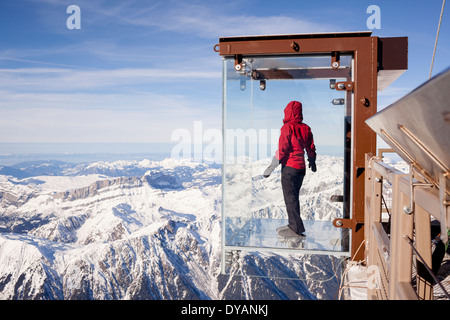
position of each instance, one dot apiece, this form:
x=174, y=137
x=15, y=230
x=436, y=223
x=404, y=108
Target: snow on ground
x=64, y=183
x=108, y=237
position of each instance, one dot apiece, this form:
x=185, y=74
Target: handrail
x=395, y=270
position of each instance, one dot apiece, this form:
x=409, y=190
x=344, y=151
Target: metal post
x=401, y=252
x=422, y=228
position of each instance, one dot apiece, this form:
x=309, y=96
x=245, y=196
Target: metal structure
x=375, y=63
x=417, y=127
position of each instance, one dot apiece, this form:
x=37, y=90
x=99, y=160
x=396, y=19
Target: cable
x=346, y=270
x=364, y=241
x=437, y=36
x=342, y=281
x=385, y=205
x=408, y=239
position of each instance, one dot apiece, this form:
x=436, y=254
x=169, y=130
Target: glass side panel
x=254, y=102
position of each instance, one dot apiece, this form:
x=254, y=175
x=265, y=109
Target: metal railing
x=410, y=212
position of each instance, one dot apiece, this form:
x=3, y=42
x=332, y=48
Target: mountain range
x=148, y=230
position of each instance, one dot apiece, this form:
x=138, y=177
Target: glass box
x=254, y=98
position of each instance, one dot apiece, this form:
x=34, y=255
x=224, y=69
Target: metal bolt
x=332, y=84
x=339, y=223
x=262, y=85
x=295, y=46
x=365, y=102
x=335, y=65
x=338, y=102
x=407, y=210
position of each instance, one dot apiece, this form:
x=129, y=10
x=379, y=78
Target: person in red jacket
x=295, y=138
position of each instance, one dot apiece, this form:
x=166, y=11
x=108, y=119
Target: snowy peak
x=155, y=235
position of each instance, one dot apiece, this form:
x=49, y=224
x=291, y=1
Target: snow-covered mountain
x=147, y=230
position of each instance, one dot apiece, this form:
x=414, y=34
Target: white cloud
x=71, y=117
x=56, y=101
x=115, y=105
x=209, y=21
x=54, y=79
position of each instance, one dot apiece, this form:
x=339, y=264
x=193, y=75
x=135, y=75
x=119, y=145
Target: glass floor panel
x=261, y=234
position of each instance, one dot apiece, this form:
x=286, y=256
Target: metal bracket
x=238, y=62
x=335, y=59
x=347, y=223
x=342, y=223
x=345, y=86
x=412, y=185
x=337, y=198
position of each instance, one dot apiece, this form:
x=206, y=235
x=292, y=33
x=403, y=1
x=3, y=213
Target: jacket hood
x=293, y=112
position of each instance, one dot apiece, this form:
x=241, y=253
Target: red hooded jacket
x=295, y=137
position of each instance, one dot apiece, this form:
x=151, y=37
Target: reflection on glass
x=254, y=100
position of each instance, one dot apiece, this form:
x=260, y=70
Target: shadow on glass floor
x=261, y=234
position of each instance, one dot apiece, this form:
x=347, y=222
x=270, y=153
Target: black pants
x=291, y=182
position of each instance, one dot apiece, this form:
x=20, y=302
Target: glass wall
x=254, y=101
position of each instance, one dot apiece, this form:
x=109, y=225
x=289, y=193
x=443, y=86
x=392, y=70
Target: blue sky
x=138, y=70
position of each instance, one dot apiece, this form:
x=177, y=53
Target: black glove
x=275, y=162
x=312, y=164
